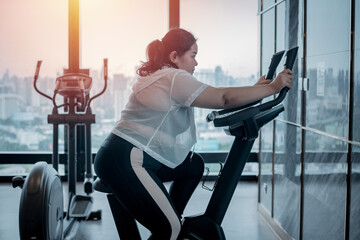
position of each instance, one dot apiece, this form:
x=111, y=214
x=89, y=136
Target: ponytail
x=155, y=54
x=157, y=51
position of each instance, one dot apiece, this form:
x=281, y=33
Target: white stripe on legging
x=136, y=159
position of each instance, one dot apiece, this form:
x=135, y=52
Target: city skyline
x=22, y=107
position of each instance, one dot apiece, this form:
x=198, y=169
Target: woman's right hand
x=283, y=79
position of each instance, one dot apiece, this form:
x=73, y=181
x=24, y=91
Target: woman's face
x=187, y=61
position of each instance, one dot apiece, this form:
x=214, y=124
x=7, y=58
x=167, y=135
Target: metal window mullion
x=261, y=73
x=274, y=128
x=351, y=117
x=303, y=123
x=269, y=8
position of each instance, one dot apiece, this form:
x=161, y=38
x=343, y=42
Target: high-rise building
x=121, y=94
x=9, y=104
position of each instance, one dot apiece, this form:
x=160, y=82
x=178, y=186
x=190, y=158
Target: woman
x=152, y=142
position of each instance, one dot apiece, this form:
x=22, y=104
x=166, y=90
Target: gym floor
x=241, y=221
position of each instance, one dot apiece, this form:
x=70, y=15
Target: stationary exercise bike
x=41, y=213
x=242, y=122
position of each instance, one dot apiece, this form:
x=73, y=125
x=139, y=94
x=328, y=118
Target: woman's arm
x=229, y=97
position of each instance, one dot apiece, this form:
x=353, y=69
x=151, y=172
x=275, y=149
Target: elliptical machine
x=244, y=123
x=41, y=213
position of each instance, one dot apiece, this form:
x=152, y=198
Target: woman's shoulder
x=170, y=73
x=170, y=70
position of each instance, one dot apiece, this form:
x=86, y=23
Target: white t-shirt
x=158, y=118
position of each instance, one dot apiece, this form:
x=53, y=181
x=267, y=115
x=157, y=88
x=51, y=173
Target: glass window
x=357, y=26
x=328, y=66
x=227, y=41
x=105, y=32
x=42, y=33
x=327, y=98
x=119, y=31
x=287, y=177
x=266, y=4
x=354, y=232
x=268, y=31
x=327, y=27
x=280, y=42
x=356, y=119
x=280, y=27
x=266, y=165
x=26, y=37
x=324, y=188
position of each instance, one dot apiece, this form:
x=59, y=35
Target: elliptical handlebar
x=81, y=85
x=36, y=78
x=105, y=85
x=220, y=119
x=37, y=69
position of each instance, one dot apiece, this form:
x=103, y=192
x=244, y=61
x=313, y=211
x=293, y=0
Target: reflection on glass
x=354, y=232
x=267, y=39
x=327, y=100
x=287, y=138
x=324, y=189
x=328, y=68
x=266, y=4
x=326, y=33
x=280, y=28
x=355, y=194
x=357, y=26
x=266, y=163
x=287, y=177
x=356, y=118
x=267, y=130
x=280, y=42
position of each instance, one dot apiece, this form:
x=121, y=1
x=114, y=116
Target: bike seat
x=100, y=186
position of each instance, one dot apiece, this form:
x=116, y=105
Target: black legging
x=137, y=181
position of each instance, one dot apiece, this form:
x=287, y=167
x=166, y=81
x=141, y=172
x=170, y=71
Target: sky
x=120, y=30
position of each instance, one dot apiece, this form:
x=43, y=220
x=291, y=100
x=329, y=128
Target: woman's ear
x=173, y=56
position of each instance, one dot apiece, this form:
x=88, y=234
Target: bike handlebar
x=289, y=63
x=222, y=121
x=275, y=60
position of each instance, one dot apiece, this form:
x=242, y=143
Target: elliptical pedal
x=80, y=207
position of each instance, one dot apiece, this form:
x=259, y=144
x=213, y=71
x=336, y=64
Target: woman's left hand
x=262, y=81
